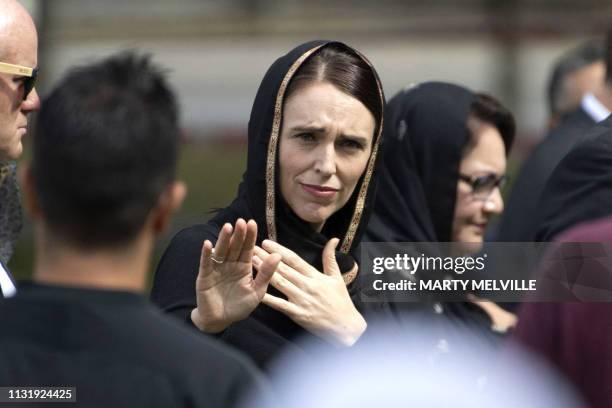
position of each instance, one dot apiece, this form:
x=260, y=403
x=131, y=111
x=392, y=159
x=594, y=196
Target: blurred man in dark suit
x=519, y=222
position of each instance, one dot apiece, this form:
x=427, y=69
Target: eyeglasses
x=483, y=186
x=29, y=74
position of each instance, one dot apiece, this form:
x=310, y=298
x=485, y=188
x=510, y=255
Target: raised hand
x=501, y=320
x=319, y=302
x=225, y=288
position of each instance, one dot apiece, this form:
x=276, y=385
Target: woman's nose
x=325, y=161
x=494, y=203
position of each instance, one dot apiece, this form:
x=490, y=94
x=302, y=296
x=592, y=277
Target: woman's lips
x=319, y=191
x=480, y=227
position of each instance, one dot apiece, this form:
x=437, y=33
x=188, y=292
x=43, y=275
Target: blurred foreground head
x=105, y=152
x=420, y=364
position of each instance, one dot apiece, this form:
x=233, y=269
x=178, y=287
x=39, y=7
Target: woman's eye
x=351, y=144
x=306, y=137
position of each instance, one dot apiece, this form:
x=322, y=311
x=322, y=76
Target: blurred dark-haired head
x=576, y=72
x=105, y=148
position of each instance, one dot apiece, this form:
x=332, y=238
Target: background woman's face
x=325, y=143
x=487, y=156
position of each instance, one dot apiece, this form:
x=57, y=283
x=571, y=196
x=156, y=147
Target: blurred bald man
x=18, y=98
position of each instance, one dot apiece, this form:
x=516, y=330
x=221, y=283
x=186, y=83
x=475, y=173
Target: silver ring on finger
x=216, y=260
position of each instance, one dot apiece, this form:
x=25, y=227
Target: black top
x=518, y=222
x=266, y=331
x=116, y=349
x=580, y=187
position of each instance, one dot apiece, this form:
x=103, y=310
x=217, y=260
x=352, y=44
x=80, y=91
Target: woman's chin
x=316, y=219
x=469, y=245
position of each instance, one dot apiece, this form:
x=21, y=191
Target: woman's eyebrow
x=318, y=129
x=301, y=128
x=356, y=138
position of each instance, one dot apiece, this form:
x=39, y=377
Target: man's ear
x=169, y=203
x=30, y=198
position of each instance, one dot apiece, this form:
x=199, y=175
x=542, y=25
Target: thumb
x=266, y=270
x=330, y=266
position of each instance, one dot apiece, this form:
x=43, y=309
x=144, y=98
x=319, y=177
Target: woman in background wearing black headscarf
x=313, y=137
x=444, y=160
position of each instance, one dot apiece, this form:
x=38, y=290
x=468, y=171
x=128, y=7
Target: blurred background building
x=216, y=53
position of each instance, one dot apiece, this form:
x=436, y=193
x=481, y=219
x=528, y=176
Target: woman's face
x=474, y=211
x=325, y=143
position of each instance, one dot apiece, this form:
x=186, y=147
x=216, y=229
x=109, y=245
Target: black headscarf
x=580, y=187
x=425, y=134
x=266, y=330
x=258, y=195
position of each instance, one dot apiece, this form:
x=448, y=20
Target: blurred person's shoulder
x=139, y=340
x=221, y=375
x=599, y=230
x=190, y=349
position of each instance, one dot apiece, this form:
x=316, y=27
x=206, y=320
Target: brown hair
x=488, y=109
x=346, y=70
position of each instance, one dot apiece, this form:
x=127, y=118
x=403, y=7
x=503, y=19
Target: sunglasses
x=29, y=75
x=483, y=186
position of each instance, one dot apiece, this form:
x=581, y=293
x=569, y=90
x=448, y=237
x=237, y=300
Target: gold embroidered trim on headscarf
x=350, y=276
x=4, y=171
x=363, y=190
x=271, y=160
x=270, y=163
x=359, y=205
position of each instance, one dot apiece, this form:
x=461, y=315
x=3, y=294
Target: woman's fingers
x=277, y=280
x=236, y=241
x=285, y=286
x=502, y=320
x=220, y=250
x=289, y=257
x=246, y=255
x=285, y=271
x=330, y=265
x=205, y=261
x=205, y=280
x=265, y=270
x=281, y=305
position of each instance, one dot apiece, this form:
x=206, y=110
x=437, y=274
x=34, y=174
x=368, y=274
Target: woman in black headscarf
x=313, y=138
x=444, y=159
